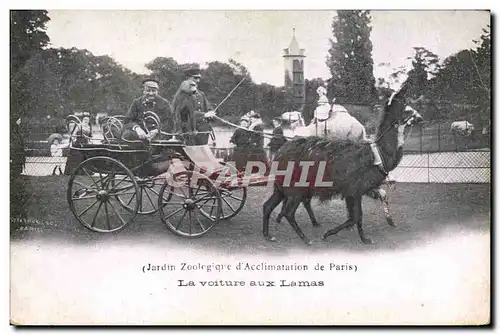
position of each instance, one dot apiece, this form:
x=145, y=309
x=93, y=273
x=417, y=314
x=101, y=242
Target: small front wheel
x=183, y=199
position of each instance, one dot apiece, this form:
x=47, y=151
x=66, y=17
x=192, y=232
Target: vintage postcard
x=250, y=167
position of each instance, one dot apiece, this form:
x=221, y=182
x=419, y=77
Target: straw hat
x=55, y=136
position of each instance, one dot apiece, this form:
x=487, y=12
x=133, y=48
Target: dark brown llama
x=350, y=168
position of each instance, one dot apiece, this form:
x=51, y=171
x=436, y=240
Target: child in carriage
x=82, y=132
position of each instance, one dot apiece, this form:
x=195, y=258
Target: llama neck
x=390, y=144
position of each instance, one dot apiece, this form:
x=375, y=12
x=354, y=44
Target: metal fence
x=415, y=167
x=433, y=153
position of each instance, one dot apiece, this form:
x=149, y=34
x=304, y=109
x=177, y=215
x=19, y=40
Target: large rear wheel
x=93, y=190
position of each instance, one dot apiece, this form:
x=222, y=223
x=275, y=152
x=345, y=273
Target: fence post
x=428, y=167
x=421, y=139
x=439, y=137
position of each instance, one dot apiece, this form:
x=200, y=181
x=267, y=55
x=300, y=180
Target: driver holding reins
x=134, y=125
x=192, y=111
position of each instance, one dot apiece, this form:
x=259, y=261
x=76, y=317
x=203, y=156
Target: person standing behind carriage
x=192, y=111
x=278, y=138
x=242, y=139
x=257, y=152
x=134, y=127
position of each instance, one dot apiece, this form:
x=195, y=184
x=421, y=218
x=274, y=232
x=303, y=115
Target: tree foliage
x=350, y=58
x=28, y=37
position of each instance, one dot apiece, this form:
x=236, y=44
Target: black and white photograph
x=250, y=167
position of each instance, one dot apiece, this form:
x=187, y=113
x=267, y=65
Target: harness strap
x=378, y=159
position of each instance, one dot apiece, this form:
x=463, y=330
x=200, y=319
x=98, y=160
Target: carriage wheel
x=233, y=201
x=233, y=198
x=149, y=190
x=93, y=190
x=182, y=199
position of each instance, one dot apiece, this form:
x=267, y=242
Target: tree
x=169, y=73
x=27, y=37
x=425, y=65
x=311, y=97
x=482, y=65
x=350, y=58
x=384, y=90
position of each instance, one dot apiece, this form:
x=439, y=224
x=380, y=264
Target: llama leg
x=290, y=209
x=268, y=208
x=385, y=204
x=349, y=223
x=307, y=204
x=358, y=218
x=282, y=211
x=382, y=196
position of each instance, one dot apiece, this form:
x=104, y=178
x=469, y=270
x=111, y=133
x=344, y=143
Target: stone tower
x=295, y=85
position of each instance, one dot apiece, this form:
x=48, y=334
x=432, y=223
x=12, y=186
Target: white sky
x=256, y=38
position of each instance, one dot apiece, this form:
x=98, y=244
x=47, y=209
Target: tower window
x=297, y=65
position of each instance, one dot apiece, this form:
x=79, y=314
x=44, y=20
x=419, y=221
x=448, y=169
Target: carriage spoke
x=86, y=187
x=84, y=198
x=190, y=220
x=131, y=198
x=180, y=221
x=118, y=214
x=117, y=194
x=107, y=215
x=197, y=190
x=182, y=190
x=174, y=212
x=88, y=208
x=201, y=224
x=232, y=196
x=140, y=199
x=173, y=203
x=149, y=197
x=95, y=216
x=91, y=178
x=212, y=209
x=110, y=176
x=155, y=191
x=232, y=208
x=100, y=180
x=221, y=210
x=202, y=198
x=114, y=187
x=106, y=181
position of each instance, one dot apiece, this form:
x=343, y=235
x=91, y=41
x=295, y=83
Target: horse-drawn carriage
x=116, y=180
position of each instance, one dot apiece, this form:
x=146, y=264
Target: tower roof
x=294, y=48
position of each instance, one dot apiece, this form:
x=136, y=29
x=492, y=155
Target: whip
x=227, y=97
x=235, y=125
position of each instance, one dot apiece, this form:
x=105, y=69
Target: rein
x=268, y=135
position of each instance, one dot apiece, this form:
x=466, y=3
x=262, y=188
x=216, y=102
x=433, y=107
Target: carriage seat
x=109, y=146
x=203, y=157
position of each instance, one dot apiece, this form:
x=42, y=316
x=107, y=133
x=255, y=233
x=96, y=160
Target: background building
x=295, y=87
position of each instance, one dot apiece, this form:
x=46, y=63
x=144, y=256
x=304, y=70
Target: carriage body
x=112, y=183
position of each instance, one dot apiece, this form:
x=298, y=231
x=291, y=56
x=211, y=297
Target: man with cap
x=278, y=138
x=191, y=108
x=134, y=127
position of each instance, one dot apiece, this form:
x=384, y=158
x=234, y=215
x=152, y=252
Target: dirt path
x=433, y=268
